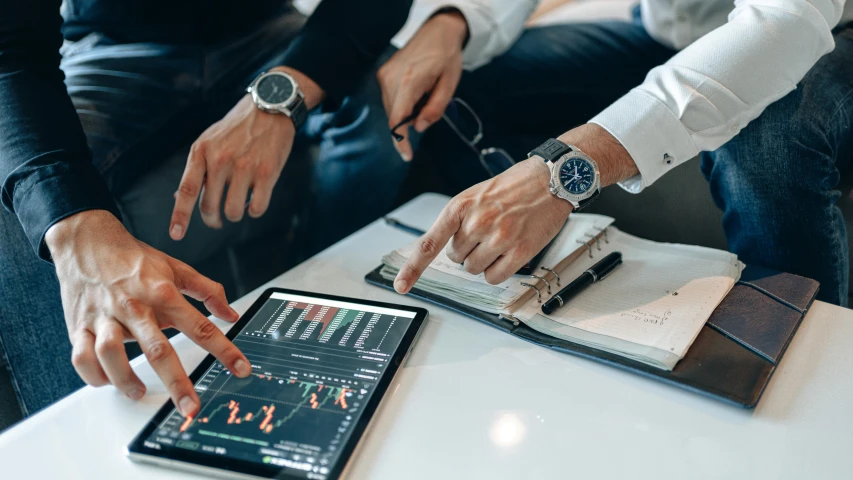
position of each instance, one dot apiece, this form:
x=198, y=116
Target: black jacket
x=45, y=165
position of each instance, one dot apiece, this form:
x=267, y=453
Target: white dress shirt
x=736, y=58
x=493, y=25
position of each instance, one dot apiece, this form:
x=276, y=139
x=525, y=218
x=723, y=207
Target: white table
x=473, y=402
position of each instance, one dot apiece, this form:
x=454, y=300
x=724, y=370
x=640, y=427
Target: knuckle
x=234, y=213
x=165, y=292
x=457, y=208
x=81, y=359
x=265, y=170
x=157, y=351
x=132, y=306
x=219, y=158
x=219, y=290
x=494, y=278
x=188, y=189
x=472, y=268
x=243, y=165
x=431, y=114
x=503, y=233
x=204, y=331
x=427, y=246
x=107, y=343
x=208, y=208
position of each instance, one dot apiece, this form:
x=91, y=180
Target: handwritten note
x=659, y=297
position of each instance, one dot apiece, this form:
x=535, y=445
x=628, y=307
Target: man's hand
x=430, y=62
x=499, y=225
x=115, y=288
x=496, y=226
x=246, y=150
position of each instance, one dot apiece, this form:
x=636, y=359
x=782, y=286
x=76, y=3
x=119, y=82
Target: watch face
x=274, y=89
x=577, y=176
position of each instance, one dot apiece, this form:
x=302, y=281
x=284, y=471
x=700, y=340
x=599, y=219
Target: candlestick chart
x=314, y=368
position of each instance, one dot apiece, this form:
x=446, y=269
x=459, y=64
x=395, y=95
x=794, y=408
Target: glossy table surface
x=473, y=402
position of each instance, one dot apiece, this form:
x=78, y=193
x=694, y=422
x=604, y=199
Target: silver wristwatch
x=278, y=93
x=574, y=174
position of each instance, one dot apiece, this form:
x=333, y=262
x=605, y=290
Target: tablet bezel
x=239, y=467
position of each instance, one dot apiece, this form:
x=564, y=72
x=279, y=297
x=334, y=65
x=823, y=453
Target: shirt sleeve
x=702, y=97
x=342, y=40
x=45, y=164
x=493, y=25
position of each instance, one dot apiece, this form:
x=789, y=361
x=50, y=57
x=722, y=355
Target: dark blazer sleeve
x=45, y=164
x=342, y=40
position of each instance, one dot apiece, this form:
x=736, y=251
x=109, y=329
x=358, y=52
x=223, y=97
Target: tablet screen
x=315, y=362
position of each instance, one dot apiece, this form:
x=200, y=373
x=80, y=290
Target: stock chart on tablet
x=315, y=363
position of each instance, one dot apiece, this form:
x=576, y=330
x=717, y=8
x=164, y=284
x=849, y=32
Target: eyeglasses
x=465, y=123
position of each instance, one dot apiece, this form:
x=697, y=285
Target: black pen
x=402, y=226
x=593, y=274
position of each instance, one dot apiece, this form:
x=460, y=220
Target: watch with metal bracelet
x=574, y=174
x=278, y=93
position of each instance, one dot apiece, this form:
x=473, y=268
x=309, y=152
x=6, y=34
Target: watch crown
x=553, y=189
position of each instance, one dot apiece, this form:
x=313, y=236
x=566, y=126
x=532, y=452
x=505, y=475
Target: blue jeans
x=776, y=181
x=141, y=106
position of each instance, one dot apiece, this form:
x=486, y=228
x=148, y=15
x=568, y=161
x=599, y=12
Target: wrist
x=542, y=174
x=451, y=23
x=614, y=162
x=62, y=235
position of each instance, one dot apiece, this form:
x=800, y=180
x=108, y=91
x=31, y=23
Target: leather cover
x=732, y=358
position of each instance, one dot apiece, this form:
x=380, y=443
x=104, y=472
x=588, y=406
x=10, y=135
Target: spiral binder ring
x=604, y=234
x=598, y=243
x=557, y=275
x=538, y=293
x=588, y=247
x=544, y=280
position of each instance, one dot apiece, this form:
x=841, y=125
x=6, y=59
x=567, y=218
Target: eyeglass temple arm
x=416, y=110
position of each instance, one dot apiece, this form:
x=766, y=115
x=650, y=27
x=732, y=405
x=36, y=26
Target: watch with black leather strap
x=278, y=93
x=574, y=174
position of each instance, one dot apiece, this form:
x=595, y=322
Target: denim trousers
x=141, y=106
x=777, y=182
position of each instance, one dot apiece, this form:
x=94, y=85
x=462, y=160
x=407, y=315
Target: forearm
x=342, y=40
x=702, y=97
x=45, y=162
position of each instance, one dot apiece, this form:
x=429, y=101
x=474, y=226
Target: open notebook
x=650, y=309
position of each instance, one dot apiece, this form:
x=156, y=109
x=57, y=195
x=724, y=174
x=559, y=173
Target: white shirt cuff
x=479, y=29
x=479, y=34
x=651, y=133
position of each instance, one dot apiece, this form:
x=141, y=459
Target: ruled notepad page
x=654, y=304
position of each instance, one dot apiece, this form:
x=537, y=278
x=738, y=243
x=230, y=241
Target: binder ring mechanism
x=538, y=293
x=601, y=233
x=544, y=280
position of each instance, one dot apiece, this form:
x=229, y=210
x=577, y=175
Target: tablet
x=320, y=366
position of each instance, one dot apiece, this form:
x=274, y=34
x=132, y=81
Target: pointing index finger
x=187, y=194
x=430, y=244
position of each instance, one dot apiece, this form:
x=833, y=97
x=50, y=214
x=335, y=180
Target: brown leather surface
x=733, y=367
